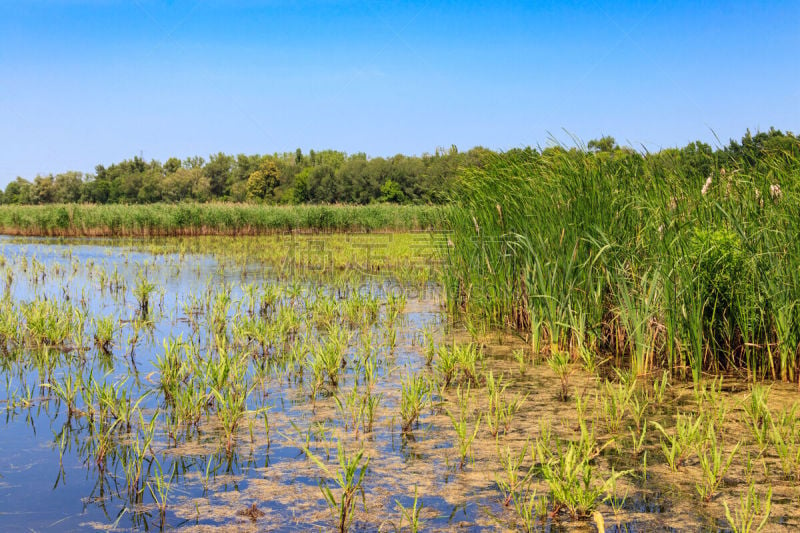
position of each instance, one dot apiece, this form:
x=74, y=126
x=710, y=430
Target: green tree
x=218, y=172
x=177, y=186
x=43, y=190
x=194, y=162
x=68, y=187
x=172, y=165
x=605, y=143
x=243, y=166
x=391, y=192
x=150, y=187
x=97, y=188
x=300, y=191
x=323, y=187
x=19, y=191
x=262, y=182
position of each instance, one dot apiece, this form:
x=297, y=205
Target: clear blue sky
x=97, y=81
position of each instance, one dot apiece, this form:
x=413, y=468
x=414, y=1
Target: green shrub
x=728, y=283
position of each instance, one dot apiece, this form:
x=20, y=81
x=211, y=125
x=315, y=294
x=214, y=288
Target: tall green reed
x=633, y=255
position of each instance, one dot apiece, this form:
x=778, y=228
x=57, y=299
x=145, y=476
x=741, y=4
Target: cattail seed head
x=707, y=185
x=775, y=192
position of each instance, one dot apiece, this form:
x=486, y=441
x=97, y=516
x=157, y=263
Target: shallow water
x=52, y=480
x=45, y=457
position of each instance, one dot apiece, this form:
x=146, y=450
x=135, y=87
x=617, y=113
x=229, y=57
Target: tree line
x=287, y=178
x=331, y=176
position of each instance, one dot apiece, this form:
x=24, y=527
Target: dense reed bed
x=210, y=219
x=641, y=260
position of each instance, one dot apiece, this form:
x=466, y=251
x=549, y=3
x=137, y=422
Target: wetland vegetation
x=82, y=220
x=221, y=382
x=593, y=340
x=646, y=261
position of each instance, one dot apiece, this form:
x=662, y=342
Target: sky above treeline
x=98, y=81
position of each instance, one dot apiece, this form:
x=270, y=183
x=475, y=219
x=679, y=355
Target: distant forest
x=329, y=176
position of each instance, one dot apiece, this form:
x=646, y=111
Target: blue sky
x=97, y=81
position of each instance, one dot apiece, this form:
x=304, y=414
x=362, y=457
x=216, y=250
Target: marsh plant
x=231, y=409
x=568, y=469
x=513, y=481
x=693, y=272
x=559, y=363
x=411, y=514
x=460, y=364
x=521, y=359
x=142, y=291
x=104, y=334
x=615, y=401
x=414, y=396
x=658, y=392
x=638, y=440
x=714, y=465
x=531, y=510
x=159, y=486
x=460, y=420
x=784, y=435
x=347, y=479
x=501, y=408
x=758, y=415
x=683, y=441
x=168, y=409
x=429, y=346
x=752, y=513
x=351, y=408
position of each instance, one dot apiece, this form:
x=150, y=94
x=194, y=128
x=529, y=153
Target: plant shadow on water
x=269, y=388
